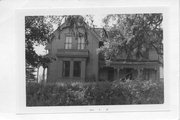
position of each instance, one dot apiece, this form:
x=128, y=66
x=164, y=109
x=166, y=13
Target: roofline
x=89, y=28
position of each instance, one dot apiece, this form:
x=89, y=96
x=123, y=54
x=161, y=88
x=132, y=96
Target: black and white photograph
x=104, y=59
x=89, y=60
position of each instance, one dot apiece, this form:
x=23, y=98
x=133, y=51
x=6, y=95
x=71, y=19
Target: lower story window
x=66, y=68
x=77, y=69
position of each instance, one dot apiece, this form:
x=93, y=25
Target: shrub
x=142, y=92
x=103, y=93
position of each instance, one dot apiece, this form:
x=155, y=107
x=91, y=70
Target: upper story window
x=68, y=42
x=81, y=43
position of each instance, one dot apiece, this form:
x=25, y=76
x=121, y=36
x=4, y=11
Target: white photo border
x=20, y=39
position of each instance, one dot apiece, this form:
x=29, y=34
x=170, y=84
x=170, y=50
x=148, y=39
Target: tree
x=36, y=32
x=133, y=34
x=30, y=76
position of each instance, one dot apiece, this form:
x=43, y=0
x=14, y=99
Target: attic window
x=68, y=42
x=81, y=43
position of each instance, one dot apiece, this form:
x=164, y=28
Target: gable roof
x=97, y=35
x=97, y=32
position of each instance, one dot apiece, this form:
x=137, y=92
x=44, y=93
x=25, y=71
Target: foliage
x=142, y=92
x=36, y=32
x=29, y=73
x=103, y=93
x=52, y=95
x=133, y=34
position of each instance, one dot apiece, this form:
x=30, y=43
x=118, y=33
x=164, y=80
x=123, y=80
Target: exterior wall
x=52, y=72
x=92, y=62
x=89, y=71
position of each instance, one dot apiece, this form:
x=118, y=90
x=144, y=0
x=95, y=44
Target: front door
x=110, y=74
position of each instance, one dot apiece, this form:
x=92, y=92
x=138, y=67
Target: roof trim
x=63, y=26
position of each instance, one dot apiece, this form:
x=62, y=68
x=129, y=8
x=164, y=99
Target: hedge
x=103, y=93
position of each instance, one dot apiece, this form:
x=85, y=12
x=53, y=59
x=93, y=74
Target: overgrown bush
x=142, y=92
x=103, y=93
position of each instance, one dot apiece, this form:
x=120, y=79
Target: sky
x=98, y=19
x=40, y=50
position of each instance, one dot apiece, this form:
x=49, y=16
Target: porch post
x=158, y=73
x=60, y=66
x=118, y=73
x=139, y=75
x=37, y=74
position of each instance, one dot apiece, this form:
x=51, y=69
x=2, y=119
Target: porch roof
x=131, y=64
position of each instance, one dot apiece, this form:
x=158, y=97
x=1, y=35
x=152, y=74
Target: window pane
x=82, y=40
x=79, y=40
x=70, y=39
x=68, y=42
x=67, y=39
x=82, y=45
x=77, y=69
x=66, y=46
x=70, y=46
x=66, y=68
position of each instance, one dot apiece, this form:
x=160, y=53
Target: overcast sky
x=98, y=20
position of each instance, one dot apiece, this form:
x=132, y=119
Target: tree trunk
x=37, y=74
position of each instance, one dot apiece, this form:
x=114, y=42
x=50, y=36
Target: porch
x=126, y=70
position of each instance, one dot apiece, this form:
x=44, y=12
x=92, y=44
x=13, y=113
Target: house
x=76, y=59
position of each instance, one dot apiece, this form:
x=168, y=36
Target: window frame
x=68, y=42
x=81, y=43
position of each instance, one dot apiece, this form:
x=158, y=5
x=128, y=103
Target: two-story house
x=77, y=59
